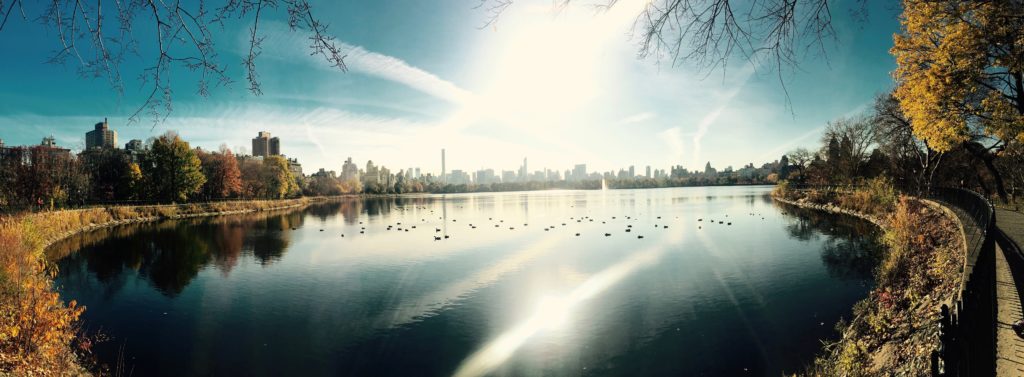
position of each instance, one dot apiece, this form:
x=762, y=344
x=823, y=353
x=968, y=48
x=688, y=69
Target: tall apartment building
x=101, y=137
x=264, y=145
x=349, y=170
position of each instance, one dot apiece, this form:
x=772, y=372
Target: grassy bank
x=893, y=330
x=38, y=330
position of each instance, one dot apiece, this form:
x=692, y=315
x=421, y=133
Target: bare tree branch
x=181, y=37
x=709, y=33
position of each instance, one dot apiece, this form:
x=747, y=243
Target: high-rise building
x=459, y=177
x=648, y=171
x=349, y=170
x=579, y=172
x=264, y=145
x=444, y=173
x=101, y=137
x=524, y=175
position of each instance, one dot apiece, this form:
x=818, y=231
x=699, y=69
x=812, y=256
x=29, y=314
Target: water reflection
x=361, y=287
x=171, y=254
x=850, y=246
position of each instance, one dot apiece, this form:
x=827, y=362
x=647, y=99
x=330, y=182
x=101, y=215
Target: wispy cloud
x=638, y=118
x=390, y=68
x=288, y=45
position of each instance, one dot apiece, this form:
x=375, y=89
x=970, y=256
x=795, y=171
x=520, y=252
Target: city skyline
x=264, y=144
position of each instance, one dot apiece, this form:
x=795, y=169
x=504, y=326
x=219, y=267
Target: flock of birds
x=585, y=219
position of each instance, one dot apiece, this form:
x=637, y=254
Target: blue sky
x=560, y=89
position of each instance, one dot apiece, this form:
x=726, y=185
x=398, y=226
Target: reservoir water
x=547, y=283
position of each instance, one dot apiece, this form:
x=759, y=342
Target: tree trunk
x=1000, y=186
x=982, y=153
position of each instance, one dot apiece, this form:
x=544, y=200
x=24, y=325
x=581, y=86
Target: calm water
x=286, y=294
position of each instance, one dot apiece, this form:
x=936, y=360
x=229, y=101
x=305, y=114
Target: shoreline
x=894, y=329
x=138, y=220
x=38, y=327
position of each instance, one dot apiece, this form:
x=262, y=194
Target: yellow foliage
x=953, y=66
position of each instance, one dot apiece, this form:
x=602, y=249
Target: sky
x=556, y=87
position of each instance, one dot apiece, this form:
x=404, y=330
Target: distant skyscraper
x=444, y=173
x=101, y=137
x=648, y=171
x=371, y=175
x=524, y=174
x=349, y=170
x=579, y=173
x=508, y=176
x=264, y=145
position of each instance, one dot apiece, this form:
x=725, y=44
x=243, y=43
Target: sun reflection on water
x=554, y=312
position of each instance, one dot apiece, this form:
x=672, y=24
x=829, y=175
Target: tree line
x=881, y=142
x=168, y=170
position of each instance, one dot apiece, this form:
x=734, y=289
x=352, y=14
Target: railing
x=967, y=330
x=967, y=325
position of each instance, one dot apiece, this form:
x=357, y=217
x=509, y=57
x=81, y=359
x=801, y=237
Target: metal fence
x=967, y=329
x=967, y=325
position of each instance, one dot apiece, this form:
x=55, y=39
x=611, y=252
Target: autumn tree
x=43, y=177
x=959, y=75
x=223, y=178
x=278, y=179
x=171, y=169
x=251, y=170
x=106, y=168
x=130, y=185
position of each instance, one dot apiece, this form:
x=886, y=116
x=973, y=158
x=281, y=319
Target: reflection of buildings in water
x=325, y=210
x=484, y=204
x=350, y=210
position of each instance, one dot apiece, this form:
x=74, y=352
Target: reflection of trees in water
x=174, y=258
x=850, y=249
x=170, y=254
x=268, y=238
x=228, y=241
